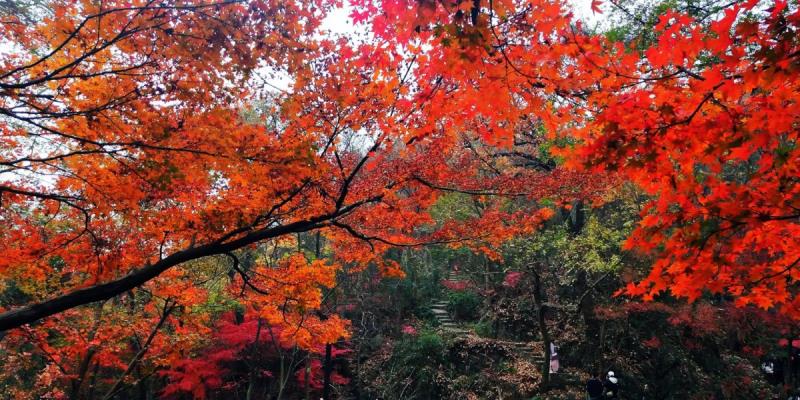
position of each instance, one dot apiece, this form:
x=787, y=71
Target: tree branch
x=33, y=312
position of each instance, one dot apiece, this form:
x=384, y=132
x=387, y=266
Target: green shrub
x=484, y=329
x=424, y=313
x=419, y=358
x=464, y=305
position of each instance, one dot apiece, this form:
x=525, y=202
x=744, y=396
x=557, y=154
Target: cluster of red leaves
x=512, y=279
x=456, y=286
x=704, y=121
x=199, y=375
x=409, y=330
x=315, y=372
x=715, y=144
x=253, y=340
x=148, y=163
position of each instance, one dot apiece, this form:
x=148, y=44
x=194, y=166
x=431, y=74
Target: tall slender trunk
x=93, y=380
x=86, y=362
x=326, y=388
x=282, y=380
x=538, y=299
x=788, y=373
x=327, y=367
x=252, y=373
x=600, y=358
x=308, y=377
x=82, y=369
x=168, y=308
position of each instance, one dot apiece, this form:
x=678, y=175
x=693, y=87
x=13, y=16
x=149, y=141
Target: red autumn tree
x=127, y=161
x=131, y=152
x=703, y=121
x=126, y=155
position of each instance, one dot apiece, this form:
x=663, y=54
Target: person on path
x=554, y=365
x=611, y=386
x=594, y=388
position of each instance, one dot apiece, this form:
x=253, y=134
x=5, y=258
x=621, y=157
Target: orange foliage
x=704, y=121
x=126, y=155
x=134, y=146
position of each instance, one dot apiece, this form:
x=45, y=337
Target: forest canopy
x=206, y=199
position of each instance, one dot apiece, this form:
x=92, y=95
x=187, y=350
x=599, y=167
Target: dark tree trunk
x=23, y=315
x=577, y=217
x=788, y=372
x=308, y=377
x=326, y=388
x=538, y=299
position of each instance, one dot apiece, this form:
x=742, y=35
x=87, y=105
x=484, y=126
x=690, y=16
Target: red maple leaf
x=596, y=7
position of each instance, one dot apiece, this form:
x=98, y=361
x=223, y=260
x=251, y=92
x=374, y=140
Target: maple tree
x=126, y=157
x=257, y=347
x=704, y=123
x=132, y=152
x=137, y=155
x=702, y=120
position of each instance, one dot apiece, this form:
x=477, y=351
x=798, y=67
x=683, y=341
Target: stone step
x=517, y=344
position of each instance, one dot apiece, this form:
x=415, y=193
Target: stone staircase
x=531, y=351
x=439, y=308
x=456, y=276
x=446, y=323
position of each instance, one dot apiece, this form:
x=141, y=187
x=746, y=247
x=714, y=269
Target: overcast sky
x=339, y=22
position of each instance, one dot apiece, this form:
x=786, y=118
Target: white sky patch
x=338, y=20
x=582, y=10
